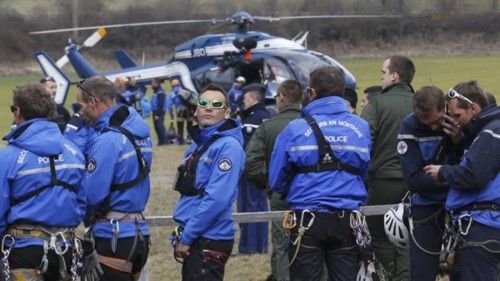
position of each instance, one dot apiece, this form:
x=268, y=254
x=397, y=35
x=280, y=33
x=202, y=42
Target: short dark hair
x=491, y=98
x=351, y=96
x=292, y=90
x=98, y=86
x=427, y=100
x=327, y=81
x=256, y=89
x=471, y=90
x=47, y=78
x=216, y=88
x=403, y=66
x=373, y=91
x=34, y=101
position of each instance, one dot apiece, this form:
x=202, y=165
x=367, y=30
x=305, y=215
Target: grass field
x=442, y=72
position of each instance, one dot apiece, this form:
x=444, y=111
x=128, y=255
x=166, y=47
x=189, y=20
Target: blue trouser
x=159, y=125
x=476, y=263
x=329, y=240
x=253, y=236
x=428, y=221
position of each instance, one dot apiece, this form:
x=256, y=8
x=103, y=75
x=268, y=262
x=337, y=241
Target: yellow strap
x=116, y=263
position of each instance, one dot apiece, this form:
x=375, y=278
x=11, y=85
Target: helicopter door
x=252, y=72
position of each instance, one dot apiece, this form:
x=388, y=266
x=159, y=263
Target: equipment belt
x=478, y=206
x=40, y=232
x=123, y=216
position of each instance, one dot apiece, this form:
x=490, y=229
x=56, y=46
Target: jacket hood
x=130, y=116
x=39, y=136
x=485, y=116
x=326, y=105
x=228, y=127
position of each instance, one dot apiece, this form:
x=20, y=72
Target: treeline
x=427, y=21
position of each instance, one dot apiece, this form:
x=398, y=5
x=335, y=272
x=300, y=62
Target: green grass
x=442, y=72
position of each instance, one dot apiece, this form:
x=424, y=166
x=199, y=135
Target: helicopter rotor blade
x=108, y=26
x=271, y=19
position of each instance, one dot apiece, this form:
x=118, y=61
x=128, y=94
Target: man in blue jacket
x=235, y=95
x=474, y=197
x=319, y=164
x=427, y=136
x=208, y=182
x=41, y=202
x=252, y=198
x=117, y=177
x=158, y=106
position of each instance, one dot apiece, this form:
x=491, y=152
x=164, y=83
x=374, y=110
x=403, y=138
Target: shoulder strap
x=53, y=182
x=143, y=165
x=327, y=159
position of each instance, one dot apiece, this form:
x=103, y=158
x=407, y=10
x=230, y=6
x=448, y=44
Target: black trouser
x=428, y=221
x=31, y=257
x=476, y=263
x=330, y=240
x=206, y=260
x=159, y=125
x=124, y=247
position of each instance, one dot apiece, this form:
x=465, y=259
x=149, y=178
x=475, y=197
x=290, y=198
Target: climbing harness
x=301, y=231
x=367, y=271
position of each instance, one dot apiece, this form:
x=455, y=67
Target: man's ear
x=475, y=108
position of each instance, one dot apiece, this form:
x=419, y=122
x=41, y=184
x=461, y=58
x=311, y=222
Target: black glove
x=91, y=269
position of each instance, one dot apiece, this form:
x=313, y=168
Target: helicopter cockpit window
x=275, y=71
x=304, y=64
x=224, y=78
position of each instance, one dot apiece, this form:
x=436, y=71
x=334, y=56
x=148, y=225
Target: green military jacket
x=384, y=113
x=261, y=145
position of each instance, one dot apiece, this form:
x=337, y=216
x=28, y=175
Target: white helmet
x=240, y=79
x=395, y=229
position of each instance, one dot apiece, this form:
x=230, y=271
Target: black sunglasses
x=80, y=86
x=13, y=108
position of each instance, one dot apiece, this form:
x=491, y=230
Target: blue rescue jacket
x=251, y=119
x=158, y=102
x=175, y=99
x=112, y=160
x=79, y=132
x=25, y=167
x=477, y=177
x=296, y=146
x=235, y=97
x=419, y=146
x=208, y=215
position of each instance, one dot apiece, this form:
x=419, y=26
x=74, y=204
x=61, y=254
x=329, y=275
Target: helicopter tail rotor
x=88, y=43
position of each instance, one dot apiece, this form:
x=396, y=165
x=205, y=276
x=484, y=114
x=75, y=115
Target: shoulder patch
x=91, y=165
x=225, y=164
x=402, y=147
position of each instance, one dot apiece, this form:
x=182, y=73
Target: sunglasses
x=452, y=94
x=80, y=86
x=214, y=103
x=13, y=108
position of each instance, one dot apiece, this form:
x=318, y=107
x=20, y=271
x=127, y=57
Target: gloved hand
x=91, y=269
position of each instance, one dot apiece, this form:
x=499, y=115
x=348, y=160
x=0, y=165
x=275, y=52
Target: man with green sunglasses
x=207, y=180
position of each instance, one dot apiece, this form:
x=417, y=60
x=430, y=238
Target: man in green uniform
x=258, y=153
x=385, y=182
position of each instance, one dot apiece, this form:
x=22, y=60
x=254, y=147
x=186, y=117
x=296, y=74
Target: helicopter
x=211, y=58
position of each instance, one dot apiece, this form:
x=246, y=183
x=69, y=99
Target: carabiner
x=6, y=248
x=469, y=223
x=57, y=249
x=311, y=221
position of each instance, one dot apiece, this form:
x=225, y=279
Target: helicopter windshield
x=304, y=64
